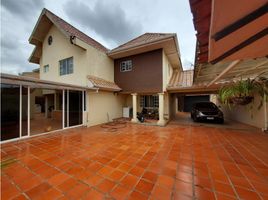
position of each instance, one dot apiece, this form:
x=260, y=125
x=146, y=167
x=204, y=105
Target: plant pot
x=241, y=100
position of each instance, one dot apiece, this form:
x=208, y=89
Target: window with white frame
x=126, y=66
x=46, y=68
x=66, y=66
x=149, y=101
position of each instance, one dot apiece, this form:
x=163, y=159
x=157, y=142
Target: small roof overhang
x=102, y=84
x=168, y=44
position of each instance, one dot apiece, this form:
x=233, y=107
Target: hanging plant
x=242, y=92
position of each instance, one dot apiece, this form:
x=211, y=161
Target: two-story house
x=84, y=83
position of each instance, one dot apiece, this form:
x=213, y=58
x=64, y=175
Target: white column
x=134, y=105
x=161, y=120
x=63, y=109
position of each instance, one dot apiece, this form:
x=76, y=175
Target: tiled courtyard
x=138, y=162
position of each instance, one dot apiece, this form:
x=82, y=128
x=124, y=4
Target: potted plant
x=242, y=92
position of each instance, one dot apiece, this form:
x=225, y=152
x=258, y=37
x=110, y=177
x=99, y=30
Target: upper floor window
x=126, y=66
x=66, y=66
x=46, y=68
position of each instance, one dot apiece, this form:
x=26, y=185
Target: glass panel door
x=10, y=111
x=73, y=108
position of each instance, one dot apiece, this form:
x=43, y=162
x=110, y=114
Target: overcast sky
x=110, y=22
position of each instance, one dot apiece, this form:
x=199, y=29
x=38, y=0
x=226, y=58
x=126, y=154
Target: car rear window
x=205, y=105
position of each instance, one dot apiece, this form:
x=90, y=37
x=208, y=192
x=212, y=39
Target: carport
x=230, y=49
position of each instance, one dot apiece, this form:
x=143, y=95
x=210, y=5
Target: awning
x=102, y=84
x=37, y=83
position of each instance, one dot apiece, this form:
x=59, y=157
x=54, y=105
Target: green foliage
x=244, y=89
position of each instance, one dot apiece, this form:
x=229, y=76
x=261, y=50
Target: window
x=149, y=101
x=46, y=68
x=126, y=66
x=66, y=66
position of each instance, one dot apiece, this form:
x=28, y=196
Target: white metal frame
x=29, y=110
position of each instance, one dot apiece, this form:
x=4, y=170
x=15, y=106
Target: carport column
x=161, y=120
x=134, y=105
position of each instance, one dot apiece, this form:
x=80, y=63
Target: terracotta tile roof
x=74, y=31
x=103, y=84
x=143, y=39
x=182, y=79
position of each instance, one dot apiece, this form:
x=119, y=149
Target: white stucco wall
x=85, y=62
x=104, y=106
x=243, y=114
x=167, y=71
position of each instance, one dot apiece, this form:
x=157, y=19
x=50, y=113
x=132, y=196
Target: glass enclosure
x=27, y=111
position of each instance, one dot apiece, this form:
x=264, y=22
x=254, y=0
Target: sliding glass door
x=10, y=111
x=73, y=112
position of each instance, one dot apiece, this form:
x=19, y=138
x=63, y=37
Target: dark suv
x=206, y=111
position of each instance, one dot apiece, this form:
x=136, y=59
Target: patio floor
x=138, y=162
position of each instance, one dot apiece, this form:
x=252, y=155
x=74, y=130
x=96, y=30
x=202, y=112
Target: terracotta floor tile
x=38, y=191
x=67, y=185
x=161, y=193
x=94, y=180
x=221, y=196
x=30, y=183
x=135, y=195
x=224, y=188
x=120, y=192
x=165, y=181
x=51, y=194
x=144, y=186
x=150, y=176
x=78, y=191
x=184, y=188
x=179, y=196
x=124, y=167
x=186, y=177
x=93, y=194
x=203, y=194
x=137, y=171
x=246, y=194
x=117, y=175
x=20, y=197
x=9, y=192
x=202, y=182
x=58, y=179
x=106, y=186
x=105, y=171
x=138, y=162
x=241, y=182
x=129, y=181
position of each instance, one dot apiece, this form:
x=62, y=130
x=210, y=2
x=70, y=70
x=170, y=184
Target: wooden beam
x=241, y=22
x=231, y=66
x=253, y=68
x=243, y=44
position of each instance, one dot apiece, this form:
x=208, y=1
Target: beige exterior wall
x=243, y=114
x=167, y=71
x=85, y=62
x=103, y=107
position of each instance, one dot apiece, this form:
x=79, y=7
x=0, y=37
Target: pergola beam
x=227, y=69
